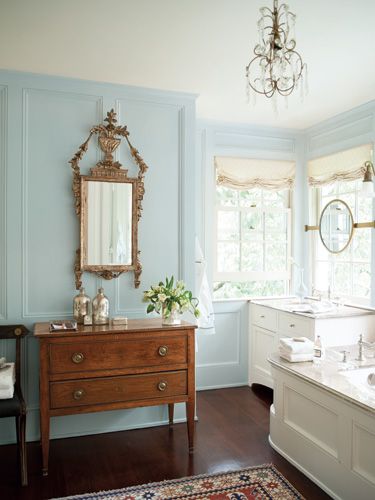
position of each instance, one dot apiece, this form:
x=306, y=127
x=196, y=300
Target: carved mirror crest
x=109, y=206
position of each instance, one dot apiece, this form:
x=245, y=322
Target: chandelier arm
x=267, y=93
x=282, y=6
x=267, y=9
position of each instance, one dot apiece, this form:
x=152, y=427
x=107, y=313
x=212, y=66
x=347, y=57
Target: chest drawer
x=116, y=354
x=293, y=325
x=264, y=317
x=117, y=389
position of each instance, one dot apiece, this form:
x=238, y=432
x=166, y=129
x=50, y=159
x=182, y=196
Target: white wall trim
x=221, y=386
x=3, y=199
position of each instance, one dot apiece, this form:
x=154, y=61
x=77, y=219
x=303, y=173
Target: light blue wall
x=43, y=121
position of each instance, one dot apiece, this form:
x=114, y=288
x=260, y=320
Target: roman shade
x=345, y=165
x=246, y=173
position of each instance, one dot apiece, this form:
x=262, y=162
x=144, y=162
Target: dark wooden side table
x=99, y=368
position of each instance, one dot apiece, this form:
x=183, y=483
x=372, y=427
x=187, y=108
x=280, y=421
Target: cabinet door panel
x=264, y=342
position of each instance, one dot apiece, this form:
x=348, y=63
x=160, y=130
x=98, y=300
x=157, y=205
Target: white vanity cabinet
x=269, y=321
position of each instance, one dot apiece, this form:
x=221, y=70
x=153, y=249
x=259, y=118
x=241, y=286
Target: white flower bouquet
x=170, y=298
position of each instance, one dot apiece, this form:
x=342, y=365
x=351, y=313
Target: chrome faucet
x=361, y=345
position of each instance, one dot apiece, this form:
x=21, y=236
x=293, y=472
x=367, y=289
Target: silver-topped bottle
x=100, y=309
x=81, y=306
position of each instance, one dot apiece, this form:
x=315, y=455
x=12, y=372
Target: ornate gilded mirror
x=109, y=205
x=336, y=226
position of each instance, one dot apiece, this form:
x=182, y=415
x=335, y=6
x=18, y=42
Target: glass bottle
x=81, y=306
x=318, y=351
x=100, y=309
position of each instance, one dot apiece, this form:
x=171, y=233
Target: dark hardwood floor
x=232, y=433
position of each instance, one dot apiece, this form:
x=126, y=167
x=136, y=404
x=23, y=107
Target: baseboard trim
x=303, y=470
x=221, y=386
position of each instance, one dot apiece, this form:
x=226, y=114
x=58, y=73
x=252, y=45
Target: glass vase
x=171, y=318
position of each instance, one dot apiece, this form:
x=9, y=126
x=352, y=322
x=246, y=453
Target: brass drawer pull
x=292, y=325
x=78, y=357
x=262, y=316
x=162, y=386
x=163, y=350
x=78, y=394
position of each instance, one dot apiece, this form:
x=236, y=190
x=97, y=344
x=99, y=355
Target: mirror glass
x=109, y=223
x=336, y=226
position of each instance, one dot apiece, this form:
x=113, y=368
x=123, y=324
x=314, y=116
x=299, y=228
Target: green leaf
x=150, y=308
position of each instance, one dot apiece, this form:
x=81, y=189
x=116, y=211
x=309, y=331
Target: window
x=253, y=242
x=349, y=272
x=340, y=175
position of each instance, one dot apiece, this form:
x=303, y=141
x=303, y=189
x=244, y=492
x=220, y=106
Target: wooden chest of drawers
x=102, y=368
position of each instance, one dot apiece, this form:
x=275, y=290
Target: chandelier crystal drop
x=277, y=67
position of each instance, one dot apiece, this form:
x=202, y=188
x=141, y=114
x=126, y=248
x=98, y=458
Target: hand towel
x=297, y=345
x=295, y=358
x=7, y=380
x=206, y=320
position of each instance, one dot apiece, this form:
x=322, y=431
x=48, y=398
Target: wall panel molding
x=334, y=137
x=235, y=338
x=181, y=188
x=3, y=199
x=27, y=313
x=255, y=142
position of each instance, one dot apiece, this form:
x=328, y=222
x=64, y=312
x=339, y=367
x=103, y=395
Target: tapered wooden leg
x=44, y=404
x=190, y=415
x=22, y=448
x=44, y=436
x=170, y=412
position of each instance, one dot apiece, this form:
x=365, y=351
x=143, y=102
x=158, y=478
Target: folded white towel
x=297, y=345
x=7, y=376
x=295, y=358
x=7, y=393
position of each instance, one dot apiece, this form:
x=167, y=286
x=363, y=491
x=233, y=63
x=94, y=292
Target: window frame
x=248, y=276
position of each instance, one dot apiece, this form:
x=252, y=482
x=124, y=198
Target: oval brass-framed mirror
x=109, y=205
x=336, y=226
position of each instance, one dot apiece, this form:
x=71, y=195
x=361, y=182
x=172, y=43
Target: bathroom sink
x=360, y=375
x=312, y=307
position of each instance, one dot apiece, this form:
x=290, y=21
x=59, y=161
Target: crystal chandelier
x=276, y=67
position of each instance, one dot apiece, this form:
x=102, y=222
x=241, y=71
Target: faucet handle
x=345, y=355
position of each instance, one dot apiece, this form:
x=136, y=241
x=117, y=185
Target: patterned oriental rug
x=254, y=483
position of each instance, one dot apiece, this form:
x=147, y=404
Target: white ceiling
x=199, y=46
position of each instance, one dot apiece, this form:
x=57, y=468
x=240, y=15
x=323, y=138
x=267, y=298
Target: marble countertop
x=288, y=305
x=338, y=378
